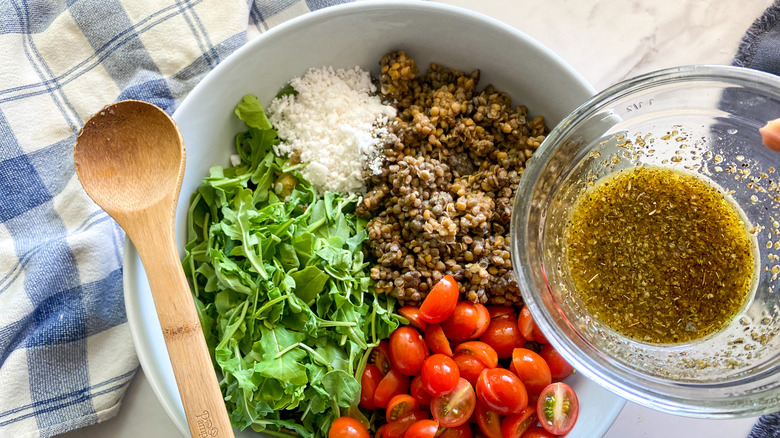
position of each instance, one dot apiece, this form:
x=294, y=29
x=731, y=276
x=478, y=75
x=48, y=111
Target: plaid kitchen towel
x=66, y=355
x=760, y=50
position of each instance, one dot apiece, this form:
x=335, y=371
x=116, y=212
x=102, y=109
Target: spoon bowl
x=130, y=160
x=114, y=146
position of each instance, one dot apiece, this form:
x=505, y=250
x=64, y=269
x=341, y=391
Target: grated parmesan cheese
x=336, y=124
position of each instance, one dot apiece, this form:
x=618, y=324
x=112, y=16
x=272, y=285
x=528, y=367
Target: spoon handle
x=203, y=402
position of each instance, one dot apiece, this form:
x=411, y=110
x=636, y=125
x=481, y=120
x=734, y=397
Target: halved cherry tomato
x=419, y=393
x=483, y=321
x=528, y=327
x=525, y=322
x=380, y=431
x=412, y=313
x=439, y=374
x=440, y=301
x=504, y=336
x=468, y=321
x=489, y=421
x=558, y=408
x=407, y=350
x=462, y=431
x=502, y=391
x=533, y=400
x=392, y=384
x=455, y=407
x=473, y=418
x=422, y=429
x=437, y=340
x=537, y=432
x=397, y=428
x=531, y=369
x=347, y=427
x=368, y=383
x=380, y=356
x=539, y=336
x=559, y=368
x=513, y=426
x=400, y=406
x=500, y=312
x=482, y=351
x=469, y=366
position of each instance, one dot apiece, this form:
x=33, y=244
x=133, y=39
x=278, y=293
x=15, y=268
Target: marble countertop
x=606, y=41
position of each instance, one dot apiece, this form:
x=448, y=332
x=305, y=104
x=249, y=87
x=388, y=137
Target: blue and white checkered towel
x=66, y=355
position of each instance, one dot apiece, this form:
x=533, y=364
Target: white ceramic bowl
x=345, y=36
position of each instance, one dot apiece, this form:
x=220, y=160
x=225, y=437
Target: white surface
x=605, y=41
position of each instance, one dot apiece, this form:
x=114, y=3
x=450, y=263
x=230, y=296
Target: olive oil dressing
x=660, y=256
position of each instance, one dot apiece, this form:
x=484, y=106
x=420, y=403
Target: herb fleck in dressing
x=660, y=256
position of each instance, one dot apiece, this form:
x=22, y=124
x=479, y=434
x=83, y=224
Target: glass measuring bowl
x=701, y=119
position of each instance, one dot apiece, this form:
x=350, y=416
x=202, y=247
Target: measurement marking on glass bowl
x=638, y=105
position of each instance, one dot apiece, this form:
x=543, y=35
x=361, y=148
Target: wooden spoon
x=130, y=159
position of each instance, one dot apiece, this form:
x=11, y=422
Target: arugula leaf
x=281, y=289
x=251, y=112
x=287, y=90
x=344, y=388
x=277, y=363
x=309, y=283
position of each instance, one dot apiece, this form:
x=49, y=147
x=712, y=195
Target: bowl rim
x=379, y=5
x=133, y=270
x=605, y=376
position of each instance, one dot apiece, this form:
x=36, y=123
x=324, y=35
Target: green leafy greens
x=281, y=288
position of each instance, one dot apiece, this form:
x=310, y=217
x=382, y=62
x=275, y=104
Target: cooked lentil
x=443, y=200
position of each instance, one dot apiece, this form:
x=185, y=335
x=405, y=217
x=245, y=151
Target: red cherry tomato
x=440, y=301
x=482, y=351
x=392, y=384
x=504, y=336
x=437, y=340
x=454, y=408
x=537, y=432
x=558, y=408
x=501, y=312
x=412, y=313
x=422, y=429
x=533, y=400
x=484, y=319
x=468, y=321
x=397, y=429
x=419, y=393
x=528, y=327
x=531, y=369
x=538, y=335
x=501, y=391
x=368, y=383
x=380, y=432
x=380, y=356
x=513, y=426
x=469, y=367
x=559, y=368
x=407, y=350
x=525, y=322
x=439, y=375
x=346, y=427
x=400, y=406
x=462, y=431
x=489, y=421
